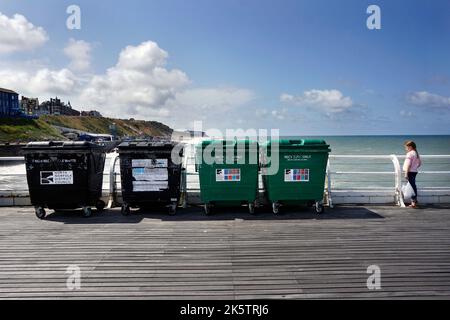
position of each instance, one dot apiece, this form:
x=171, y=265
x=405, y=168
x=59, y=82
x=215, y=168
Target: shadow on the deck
x=265, y=213
x=114, y=216
x=105, y=217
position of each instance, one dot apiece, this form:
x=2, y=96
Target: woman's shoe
x=413, y=205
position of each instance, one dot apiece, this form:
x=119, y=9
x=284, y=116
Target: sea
x=12, y=174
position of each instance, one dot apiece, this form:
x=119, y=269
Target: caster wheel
x=40, y=213
x=318, y=206
x=100, y=206
x=276, y=208
x=126, y=211
x=207, y=208
x=251, y=208
x=87, y=212
x=173, y=209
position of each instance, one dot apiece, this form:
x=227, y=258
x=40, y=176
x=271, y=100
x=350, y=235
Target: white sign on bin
x=149, y=163
x=150, y=175
x=56, y=177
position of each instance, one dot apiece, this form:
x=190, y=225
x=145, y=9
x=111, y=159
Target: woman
x=411, y=166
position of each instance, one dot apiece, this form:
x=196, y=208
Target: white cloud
x=328, y=101
x=277, y=114
x=280, y=114
x=18, y=34
x=210, y=99
x=79, y=53
x=405, y=113
x=430, y=100
x=138, y=86
x=219, y=107
x=145, y=57
x=39, y=83
x=262, y=113
x=138, y=83
x=141, y=86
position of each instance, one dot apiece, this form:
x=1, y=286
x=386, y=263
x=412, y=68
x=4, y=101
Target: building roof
x=7, y=91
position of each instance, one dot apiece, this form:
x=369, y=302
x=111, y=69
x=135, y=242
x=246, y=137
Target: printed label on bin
x=148, y=174
x=228, y=175
x=296, y=175
x=149, y=163
x=146, y=186
x=56, y=177
x=297, y=157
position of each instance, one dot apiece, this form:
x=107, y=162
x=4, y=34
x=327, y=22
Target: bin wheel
x=125, y=210
x=173, y=209
x=319, y=207
x=87, y=212
x=40, y=213
x=276, y=208
x=100, y=206
x=251, y=208
x=207, y=208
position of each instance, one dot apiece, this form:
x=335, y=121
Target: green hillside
x=22, y=130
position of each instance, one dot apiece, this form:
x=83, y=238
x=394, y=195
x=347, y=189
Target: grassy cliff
x=22, y=130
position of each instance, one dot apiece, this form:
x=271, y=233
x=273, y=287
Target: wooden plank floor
x=228, y=255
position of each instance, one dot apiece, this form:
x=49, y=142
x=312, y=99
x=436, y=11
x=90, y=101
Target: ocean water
x=384, y=145
x=12, y=174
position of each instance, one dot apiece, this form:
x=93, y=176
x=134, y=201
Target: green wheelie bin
x=300, y=179
x=228, y=173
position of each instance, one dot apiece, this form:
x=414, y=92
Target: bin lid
x=146, y=144
x=61, y=145
x=300, y=143
x=227, y=143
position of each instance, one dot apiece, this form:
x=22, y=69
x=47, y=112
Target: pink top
x=412, y=161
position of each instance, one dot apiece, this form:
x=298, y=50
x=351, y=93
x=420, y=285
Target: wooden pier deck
x=230, y=255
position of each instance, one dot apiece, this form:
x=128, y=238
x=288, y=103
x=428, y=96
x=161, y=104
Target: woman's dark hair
x=412, y=145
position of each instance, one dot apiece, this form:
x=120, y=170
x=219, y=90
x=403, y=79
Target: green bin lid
x=299, y=142
x=228, y=143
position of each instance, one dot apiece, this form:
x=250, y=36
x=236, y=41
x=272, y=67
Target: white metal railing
x=112, y=179
x=396, y=174
x=109, y=172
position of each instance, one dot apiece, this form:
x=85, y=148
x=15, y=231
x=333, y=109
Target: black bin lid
x=128, y=145
x=61, y=145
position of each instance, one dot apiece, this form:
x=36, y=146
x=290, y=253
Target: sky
x=303, y=67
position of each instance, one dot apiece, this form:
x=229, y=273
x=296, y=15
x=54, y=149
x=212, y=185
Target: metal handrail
x=111, y=172
x=397, y=173
x=112, y=179
x=12, y=159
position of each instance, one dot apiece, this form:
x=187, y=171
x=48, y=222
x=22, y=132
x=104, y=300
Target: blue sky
x=305, y=67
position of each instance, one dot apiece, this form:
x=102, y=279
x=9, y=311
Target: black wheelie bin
x=65, y=175
x=149, y=176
